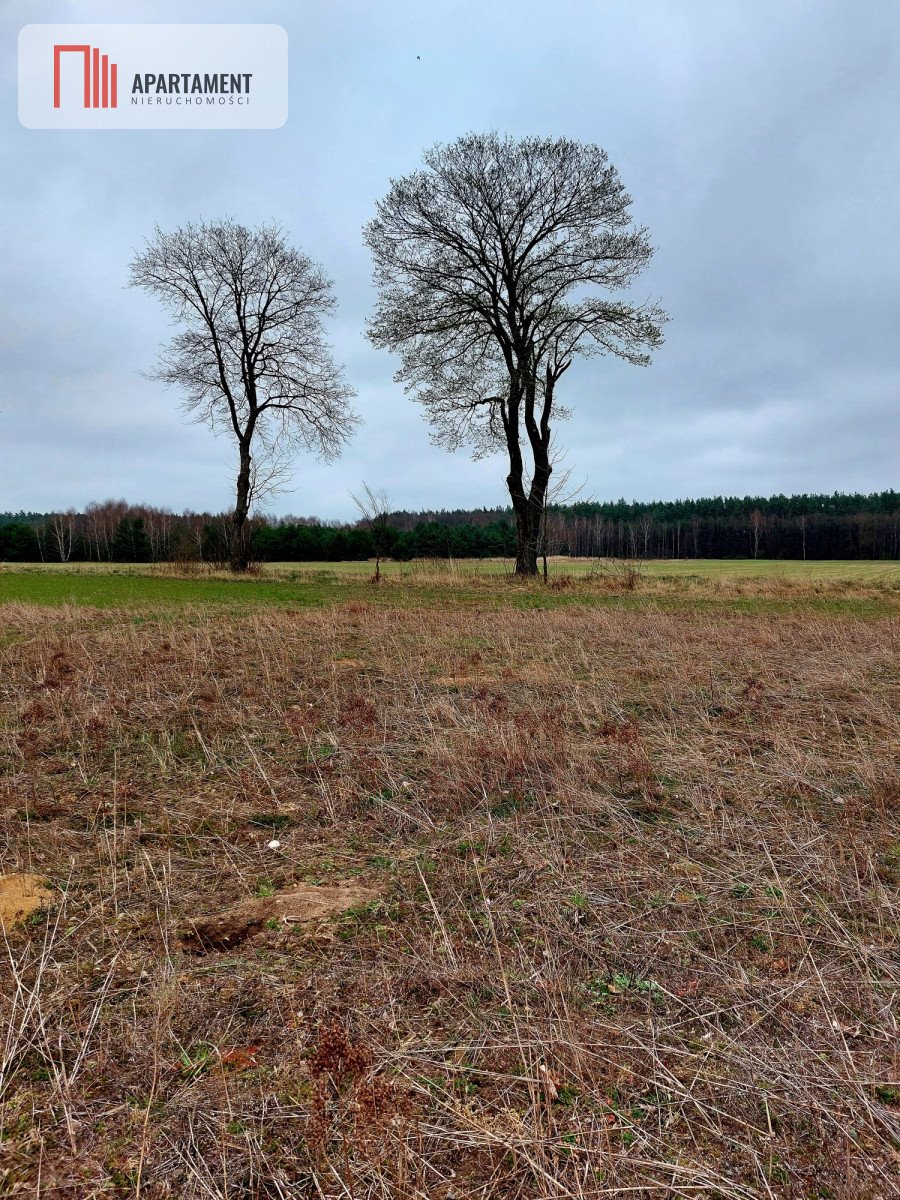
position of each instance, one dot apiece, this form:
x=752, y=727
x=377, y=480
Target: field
x=451, y=886
x=718, y=569
x=752, y=585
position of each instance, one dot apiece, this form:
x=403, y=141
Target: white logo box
x=112, y=76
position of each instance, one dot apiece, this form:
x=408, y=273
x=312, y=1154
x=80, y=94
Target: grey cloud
x=760, y=143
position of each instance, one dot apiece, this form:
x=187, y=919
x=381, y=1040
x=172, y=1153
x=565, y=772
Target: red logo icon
x=101, y=77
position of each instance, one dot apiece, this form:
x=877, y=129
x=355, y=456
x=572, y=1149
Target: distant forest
x=838, y=526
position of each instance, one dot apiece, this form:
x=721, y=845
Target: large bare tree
x=251, y=355
x=494, y=266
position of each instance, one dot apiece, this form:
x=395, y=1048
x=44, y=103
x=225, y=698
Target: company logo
x=101, y=77
x=152, y=76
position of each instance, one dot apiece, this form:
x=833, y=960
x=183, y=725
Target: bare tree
x=40, y=534
x=102, y=521
x=160, y=526
x=251, y=355
x=757, y=526
x=560, y=492
x=646, y=527
x=62, y=533
x=487, y=263
x=375, y=509
x=195, y=528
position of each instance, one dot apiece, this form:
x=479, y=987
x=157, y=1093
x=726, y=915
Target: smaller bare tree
x=62, y=534
x=695, y=534
x=195, y=528
x=375, y=510
x=560, y=492
x=251, y=355
x=757, y=526
x=646, y=527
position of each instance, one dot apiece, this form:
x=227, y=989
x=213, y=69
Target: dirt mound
x=302, y=904
x=20, y=896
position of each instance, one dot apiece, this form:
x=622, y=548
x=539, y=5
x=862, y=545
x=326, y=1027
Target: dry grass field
x=712, y=570
x=395, y=896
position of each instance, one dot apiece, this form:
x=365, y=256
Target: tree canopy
x=251, y=357
x=494, y=266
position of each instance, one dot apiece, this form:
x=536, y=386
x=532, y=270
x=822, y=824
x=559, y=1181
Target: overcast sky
x=761, y=144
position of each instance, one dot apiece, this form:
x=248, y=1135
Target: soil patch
x=303, y=904
x=20, y=896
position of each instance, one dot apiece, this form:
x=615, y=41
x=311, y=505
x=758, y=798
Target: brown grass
x=637, y=933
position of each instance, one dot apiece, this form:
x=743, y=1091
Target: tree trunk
x=529, y=514
x=527, y=532
x=529, y=510
x=240, y=547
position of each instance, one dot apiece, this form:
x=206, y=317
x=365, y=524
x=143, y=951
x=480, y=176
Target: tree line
x=120, y=533
x=837, y=526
